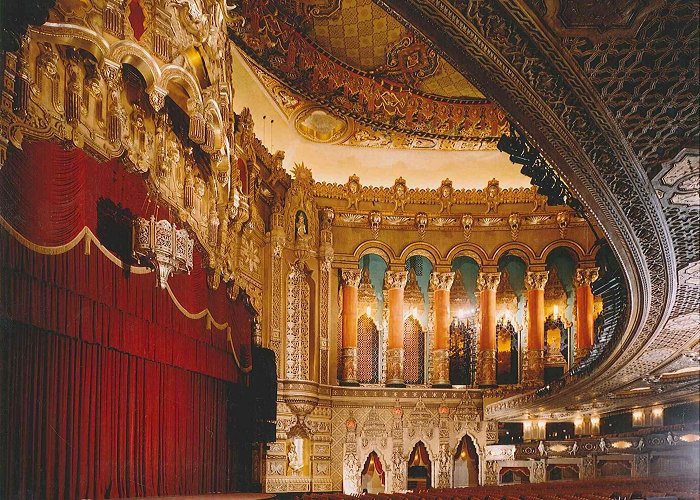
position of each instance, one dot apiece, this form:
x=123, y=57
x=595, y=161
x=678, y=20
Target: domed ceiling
x=346, y=88
x=347, y=72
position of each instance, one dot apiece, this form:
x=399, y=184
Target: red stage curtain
x=108, y=389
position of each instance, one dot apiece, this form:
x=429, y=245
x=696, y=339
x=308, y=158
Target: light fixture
x=368, y=311
x=595, y=420
x=556, y=311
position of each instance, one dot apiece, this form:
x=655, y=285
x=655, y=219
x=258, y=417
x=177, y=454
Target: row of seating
x=597, y=489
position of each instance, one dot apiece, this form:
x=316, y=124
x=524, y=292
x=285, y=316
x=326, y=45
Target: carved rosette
x=586, y=275
x=536, y=280
x=349, y=360
x=351, y=277
x=441, y=367
x=394, y=366
x=395, y=279
x=487, y=368
x=488, y=281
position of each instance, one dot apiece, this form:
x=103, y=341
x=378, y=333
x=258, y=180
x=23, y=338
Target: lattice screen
x=367, y=351
x=413, y=351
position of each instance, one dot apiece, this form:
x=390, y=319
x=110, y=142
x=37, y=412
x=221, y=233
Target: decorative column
x=488, y=283
x=395, y=283
x=584, y=310
x=441, y=284
x=351, y=280
x=535, y=282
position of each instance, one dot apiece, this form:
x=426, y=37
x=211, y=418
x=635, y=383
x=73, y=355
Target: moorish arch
x=421, y=248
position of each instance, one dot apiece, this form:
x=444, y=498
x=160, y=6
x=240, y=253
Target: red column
x=351, y=280
x=488, y=284
x=535, y=282
x=441, y=284
x=584, y=310
x=395, y=282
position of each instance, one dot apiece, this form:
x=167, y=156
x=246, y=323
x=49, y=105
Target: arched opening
x=463, y=332
x=373, y=475
x=514, y=475
x=419, y=467
x=559, y=306
x=416, y=309
x=562, y=472
x=510, y=314
x=370, y=322
x=466, y=464
x=367, y=350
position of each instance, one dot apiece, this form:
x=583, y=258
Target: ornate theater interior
x=349, y=247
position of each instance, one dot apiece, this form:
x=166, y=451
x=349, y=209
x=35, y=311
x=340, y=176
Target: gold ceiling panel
x=359, y=33
x=362, y=35
x=448, y=82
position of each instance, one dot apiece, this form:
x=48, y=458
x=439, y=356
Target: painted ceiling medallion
x=409, y=61
x=318, y=125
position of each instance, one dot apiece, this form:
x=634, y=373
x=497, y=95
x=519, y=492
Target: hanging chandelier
x=166, y=248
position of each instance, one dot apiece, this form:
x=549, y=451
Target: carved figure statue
x=574, y=448
x=603, y=445
x=541, y=449
x=296, y=461
x=640, y=444
x=301, y=229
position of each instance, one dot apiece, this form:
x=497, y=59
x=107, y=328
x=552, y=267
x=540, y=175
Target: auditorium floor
x=214, y=496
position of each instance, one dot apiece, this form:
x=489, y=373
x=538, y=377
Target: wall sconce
x=595, y=420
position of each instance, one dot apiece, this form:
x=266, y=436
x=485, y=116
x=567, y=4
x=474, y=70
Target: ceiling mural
x=380, y=78
x=347, y=131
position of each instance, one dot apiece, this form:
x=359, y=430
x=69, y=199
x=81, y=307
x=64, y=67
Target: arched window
x=417, y=319
x=419, y=467
x=463, y=331
x=510, y=318
x=367, y=350
x=466, y=464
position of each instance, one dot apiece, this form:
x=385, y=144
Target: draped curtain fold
x=108, y=390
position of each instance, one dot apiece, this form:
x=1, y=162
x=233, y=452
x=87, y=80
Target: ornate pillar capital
x=488, y=281
x=442, y=281
x=351, y=277
x=396, y=279
x=536, y=280
x=586, y=275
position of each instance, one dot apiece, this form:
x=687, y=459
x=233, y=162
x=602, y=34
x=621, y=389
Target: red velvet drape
x=106, y=388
